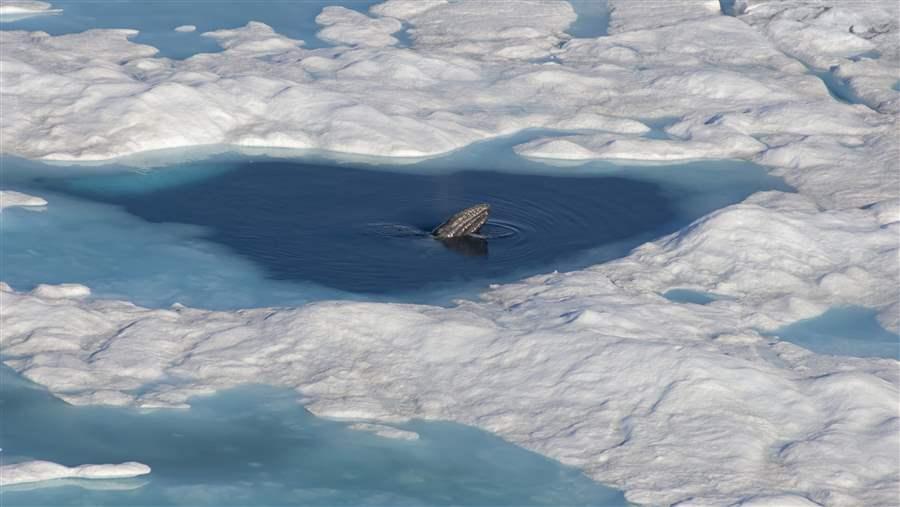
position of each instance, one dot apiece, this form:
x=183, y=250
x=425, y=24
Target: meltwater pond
x=845, y=331
x=258, y=446
x=240, y=231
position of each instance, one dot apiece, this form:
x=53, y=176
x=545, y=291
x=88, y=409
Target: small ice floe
x=186, y=28
x=61, y=291
x=38, y=470
x=10, y=199
x=385, y=431
x=14, y=10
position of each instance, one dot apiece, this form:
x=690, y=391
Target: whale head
x=467, y=221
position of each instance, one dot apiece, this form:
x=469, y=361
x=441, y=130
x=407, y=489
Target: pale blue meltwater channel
x=256, y=446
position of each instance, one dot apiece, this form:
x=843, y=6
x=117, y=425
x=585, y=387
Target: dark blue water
x=366, y=231
x=257, y=446
x=848, y=331
x=157, y=19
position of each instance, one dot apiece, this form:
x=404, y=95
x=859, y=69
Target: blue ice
x=156, y=20
x=845, y=331
x=257, y=446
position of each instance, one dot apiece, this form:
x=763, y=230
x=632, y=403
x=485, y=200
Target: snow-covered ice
x=36, y=471
x=670, y=402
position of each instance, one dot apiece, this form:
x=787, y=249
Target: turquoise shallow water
x=257, y=446
x=156, y=20
x=845, y=331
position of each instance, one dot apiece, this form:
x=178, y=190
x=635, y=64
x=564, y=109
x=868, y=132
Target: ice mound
x=346, y=26
x=729, y=252
x=35, y=471
x=628, y=16
x=186, y=28
x=10, y=199
x=65, y=290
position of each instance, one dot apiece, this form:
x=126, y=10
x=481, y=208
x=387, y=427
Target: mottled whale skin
x=464, y=223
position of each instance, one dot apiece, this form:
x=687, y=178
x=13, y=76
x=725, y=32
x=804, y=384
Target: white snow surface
x=670, y=402
x=346, y=26
x=37, y=471
x=11, y=199
x=826, y=35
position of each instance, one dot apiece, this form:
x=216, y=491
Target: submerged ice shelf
x=258, y=446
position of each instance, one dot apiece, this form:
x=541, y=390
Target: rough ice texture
x=671, y=402
x=10, y=199
x=37, y=471
x=832, y=35
x=627, y=15
x=346, y=26
x=63, y=290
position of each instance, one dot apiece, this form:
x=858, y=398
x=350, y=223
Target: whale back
x=467, y=221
